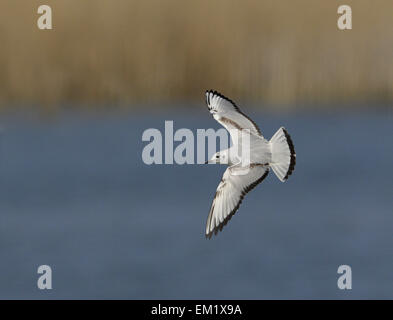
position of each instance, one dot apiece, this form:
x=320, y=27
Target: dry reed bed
x=103, y=51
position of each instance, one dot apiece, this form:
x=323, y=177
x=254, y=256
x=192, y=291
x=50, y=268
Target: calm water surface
x=75, y=194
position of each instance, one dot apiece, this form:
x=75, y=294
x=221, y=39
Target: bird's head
x=218, y=157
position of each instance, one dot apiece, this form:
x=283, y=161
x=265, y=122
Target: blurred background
x=75, y=194
x=107, y=53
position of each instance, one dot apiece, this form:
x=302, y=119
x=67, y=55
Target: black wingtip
x=216, y=93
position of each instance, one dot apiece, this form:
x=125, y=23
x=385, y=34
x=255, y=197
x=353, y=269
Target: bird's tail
x=283, y=154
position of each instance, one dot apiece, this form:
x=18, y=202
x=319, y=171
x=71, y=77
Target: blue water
x=75, y=195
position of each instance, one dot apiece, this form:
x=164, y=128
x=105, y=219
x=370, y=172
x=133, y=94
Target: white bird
x=238, y=179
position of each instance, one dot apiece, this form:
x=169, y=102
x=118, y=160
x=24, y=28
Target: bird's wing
x=228, y=114
x=234, y=185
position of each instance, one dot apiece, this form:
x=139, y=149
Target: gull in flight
x=278, y=153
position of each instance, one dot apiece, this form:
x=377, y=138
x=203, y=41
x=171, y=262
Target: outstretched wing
x=234, y=185
x=228, y=114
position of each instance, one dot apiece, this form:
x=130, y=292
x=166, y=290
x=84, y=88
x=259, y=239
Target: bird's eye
x=217, y=157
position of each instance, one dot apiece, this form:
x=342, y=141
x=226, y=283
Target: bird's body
x=259, y=151
x=249, y=159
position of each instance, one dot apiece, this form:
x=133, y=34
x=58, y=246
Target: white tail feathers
x=283, y=154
